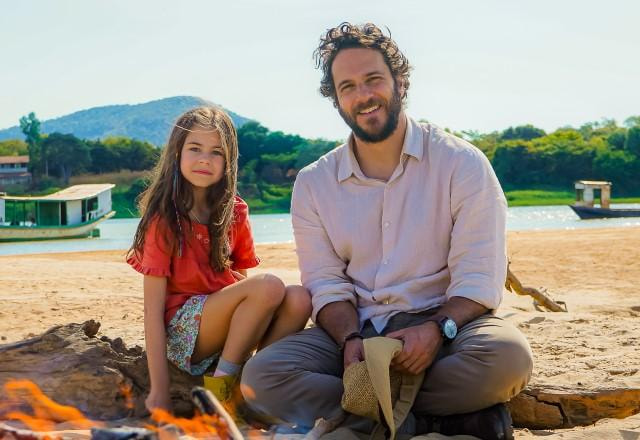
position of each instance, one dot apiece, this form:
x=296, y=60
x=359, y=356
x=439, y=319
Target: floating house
x=73, y=212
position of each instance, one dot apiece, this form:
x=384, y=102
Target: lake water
x=276, y=228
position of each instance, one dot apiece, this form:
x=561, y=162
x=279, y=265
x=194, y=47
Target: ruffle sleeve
x=243, y=254
x=155, y=258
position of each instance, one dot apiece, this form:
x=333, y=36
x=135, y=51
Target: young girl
x=193, y=246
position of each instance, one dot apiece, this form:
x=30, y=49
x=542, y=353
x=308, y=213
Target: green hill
x=149, y=121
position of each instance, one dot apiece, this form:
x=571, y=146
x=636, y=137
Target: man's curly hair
x=349, y=36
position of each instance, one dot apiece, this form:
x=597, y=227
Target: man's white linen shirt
x=434, y=230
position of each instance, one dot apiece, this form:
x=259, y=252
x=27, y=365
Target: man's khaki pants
x=299, y=378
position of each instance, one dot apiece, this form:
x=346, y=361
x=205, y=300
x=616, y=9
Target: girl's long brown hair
x=170, y=195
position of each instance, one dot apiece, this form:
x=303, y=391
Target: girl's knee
x=271, y=290
x=298, y=300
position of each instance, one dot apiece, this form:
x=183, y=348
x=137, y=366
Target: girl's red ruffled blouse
x=191, y=274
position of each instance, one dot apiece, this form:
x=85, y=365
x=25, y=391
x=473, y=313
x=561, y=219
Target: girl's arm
x=155, y=292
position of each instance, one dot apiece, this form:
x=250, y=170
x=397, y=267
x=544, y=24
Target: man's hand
x=353, y=352
x=421, y=345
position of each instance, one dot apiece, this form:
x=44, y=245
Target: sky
x=477, y=65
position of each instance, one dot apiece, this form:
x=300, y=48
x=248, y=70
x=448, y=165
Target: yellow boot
x=226, y=390
x=220, y=386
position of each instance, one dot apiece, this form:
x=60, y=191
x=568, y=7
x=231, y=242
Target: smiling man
x=399, y=232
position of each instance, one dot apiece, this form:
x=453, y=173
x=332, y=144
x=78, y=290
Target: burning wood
x=209, y=405
x=124, y=433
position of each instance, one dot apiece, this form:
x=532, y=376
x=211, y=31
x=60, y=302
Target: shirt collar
x=413, y=140
x=348, y=163
x=413, y=146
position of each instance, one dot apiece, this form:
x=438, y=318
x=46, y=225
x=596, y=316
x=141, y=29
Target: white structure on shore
x=13, y=171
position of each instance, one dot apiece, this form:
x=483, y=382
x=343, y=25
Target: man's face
x=369, y=100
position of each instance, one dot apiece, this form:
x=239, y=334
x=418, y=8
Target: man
x=399, y=232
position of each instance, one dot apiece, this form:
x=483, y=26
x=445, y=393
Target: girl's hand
x=238, y=276
x=158, y=400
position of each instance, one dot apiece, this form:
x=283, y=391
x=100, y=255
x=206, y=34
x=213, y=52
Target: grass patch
x=538, y=197
x=542, y=197
x=257, y=206
x=123, y=206
x=625, y=200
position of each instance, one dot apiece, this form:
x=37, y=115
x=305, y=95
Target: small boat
x=73, y=212
x=587, y=191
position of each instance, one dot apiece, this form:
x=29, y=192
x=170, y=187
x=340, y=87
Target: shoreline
x=597, y=229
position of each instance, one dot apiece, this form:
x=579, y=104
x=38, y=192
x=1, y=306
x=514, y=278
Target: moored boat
x=586, y=193
x=73, y=212
x=585, y=212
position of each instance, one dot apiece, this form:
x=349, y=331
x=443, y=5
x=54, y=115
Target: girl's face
x=202, y=158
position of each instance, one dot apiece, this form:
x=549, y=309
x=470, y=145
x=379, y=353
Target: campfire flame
x=125, y=391
x=43, y=415
x=202, y=425
x=46, y=412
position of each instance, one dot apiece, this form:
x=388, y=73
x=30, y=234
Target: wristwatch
x=349, y=337
x=448, y=327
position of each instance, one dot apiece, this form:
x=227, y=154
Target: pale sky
x=481, y=65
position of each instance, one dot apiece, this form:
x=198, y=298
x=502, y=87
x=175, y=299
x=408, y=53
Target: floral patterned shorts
x=181, y=337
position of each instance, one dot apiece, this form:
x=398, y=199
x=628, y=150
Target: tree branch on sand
x=540, y=299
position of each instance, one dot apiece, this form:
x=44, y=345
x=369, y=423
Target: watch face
x=450, y=329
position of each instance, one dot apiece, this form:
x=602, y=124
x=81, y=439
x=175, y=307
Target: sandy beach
x=594, y=271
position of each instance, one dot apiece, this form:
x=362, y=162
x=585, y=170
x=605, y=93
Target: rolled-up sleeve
x=322, y=270
x=477, y=258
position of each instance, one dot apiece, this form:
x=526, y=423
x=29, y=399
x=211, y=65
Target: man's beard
x=393, y=115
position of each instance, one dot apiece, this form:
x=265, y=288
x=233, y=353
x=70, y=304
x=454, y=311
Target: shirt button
x=386, y=224
x=385, y=262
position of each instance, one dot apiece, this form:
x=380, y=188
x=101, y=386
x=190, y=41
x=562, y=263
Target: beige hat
x=373, y=390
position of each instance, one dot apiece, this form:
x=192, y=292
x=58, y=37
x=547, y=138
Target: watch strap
x=349, y=337
x=440, y=320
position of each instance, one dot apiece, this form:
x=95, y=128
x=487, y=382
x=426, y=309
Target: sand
x=595, y=271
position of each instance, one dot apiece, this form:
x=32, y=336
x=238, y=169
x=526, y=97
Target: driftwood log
x=75, y=367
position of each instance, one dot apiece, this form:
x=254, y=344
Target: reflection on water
x=276, y=228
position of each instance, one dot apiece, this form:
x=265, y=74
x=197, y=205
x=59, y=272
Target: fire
x=125, y=390
x=46, y=412
x=200, y=425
